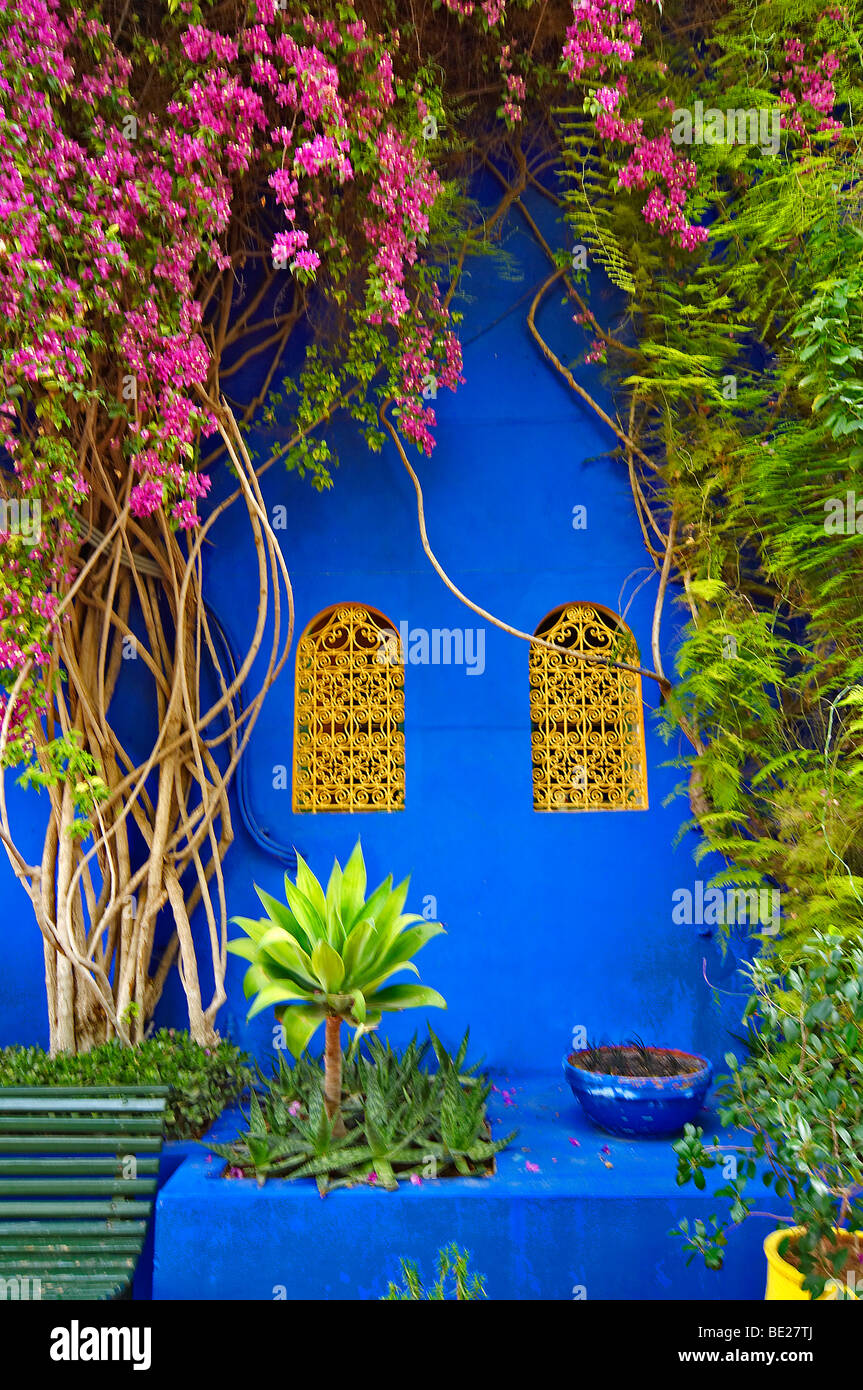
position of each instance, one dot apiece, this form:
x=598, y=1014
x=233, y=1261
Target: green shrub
x=453, y=1282
x=798, y=1099
x=401, y=1119
x=204, y=1080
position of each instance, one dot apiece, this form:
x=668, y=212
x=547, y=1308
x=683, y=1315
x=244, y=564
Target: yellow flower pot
x=784, y=1282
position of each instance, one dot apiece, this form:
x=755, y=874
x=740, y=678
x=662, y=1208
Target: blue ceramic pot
x=633, y=1105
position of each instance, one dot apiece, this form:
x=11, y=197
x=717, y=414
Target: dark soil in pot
x=628, y=1059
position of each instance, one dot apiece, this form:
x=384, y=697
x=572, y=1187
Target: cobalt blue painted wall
x=554, y=919
x=22, y=985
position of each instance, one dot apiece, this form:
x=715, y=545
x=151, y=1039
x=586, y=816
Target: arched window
x=349, y=742
x=587, y=727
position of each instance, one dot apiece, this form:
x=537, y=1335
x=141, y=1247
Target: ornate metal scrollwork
x=349, y=741
x=587, y=727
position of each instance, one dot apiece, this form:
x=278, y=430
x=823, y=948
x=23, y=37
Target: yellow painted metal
x=587, y=725
x=349, y=741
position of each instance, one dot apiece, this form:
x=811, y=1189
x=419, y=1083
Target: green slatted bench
x=78, y=1178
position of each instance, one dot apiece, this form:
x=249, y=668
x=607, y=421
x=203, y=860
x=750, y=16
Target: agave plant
x=416, y=1115
x=326, y=957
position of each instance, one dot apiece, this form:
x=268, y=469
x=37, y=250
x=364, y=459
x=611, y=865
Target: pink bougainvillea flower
x=112, y=217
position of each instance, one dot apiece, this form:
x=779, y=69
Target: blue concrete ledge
x=173, y=1154
x=585, y=1220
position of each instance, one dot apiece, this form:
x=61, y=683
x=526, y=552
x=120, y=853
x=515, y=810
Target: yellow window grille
x=349, y=741
x=587, y=726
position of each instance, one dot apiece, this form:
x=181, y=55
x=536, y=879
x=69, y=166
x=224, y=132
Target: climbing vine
x=740, y=363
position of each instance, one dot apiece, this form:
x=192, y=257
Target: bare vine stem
x=576, y=386
x=590, y=657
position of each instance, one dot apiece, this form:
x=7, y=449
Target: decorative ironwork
x=587, y=727
x=349, y=741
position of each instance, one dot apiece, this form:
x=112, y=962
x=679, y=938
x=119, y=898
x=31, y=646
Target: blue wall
x=554, y=920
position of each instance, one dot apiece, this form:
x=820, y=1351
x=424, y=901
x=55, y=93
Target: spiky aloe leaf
x=399, y=1117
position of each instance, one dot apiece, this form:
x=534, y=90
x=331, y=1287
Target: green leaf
x=406, y=946
x=334, y=889
x=388, y=914
x=395, y=997
x=312, y=924
x=328, y=966
x=300, y=1023
x=353, y=947
x=287, y=953
x=336, y=933
x=281, y=915
x=247, y=949
x=254, y=927
x=254, y=979
x=378, y=898
x=353, y=892
x=271, y=995
x=309, y=885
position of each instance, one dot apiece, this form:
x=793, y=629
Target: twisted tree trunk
x=95, y=905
